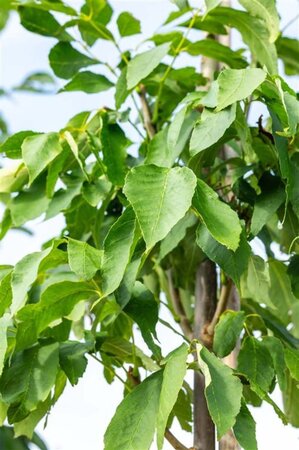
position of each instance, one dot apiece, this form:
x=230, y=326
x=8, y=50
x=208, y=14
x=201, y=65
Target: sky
x=80, y=417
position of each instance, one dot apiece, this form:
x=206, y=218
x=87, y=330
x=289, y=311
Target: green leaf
x=160, y=198
x=5, y=293
x=84, y=259
x=210, y=5
x=29, y=380
x=127, y=24
x=121, y=90
x=212, y=211
x=290, y=401
x=167, y=145
x=114, y=144
x=12, y=145
x=173, y=377
x=27, y=426
x=133, y=425
x=280, y=290
x=42, y=22
x=176, y=235
x=235, y=85
x=28, y=204
x=96, y=191
x=142, y=65
x=288, y=51
x=223, y=390
x=254, y=33
x=255, y=283
x=88, y=82
x=244, y=429
x=5, y=322
x=233, y=263
x=24, y=274
x=276, y=350
x=213, y=49
x=57, y=301
x=72, y=360
x=210, y=129
x=265, y=10
x=266, y=204
x=66, y=61
x=118, y=246
x=38, y=151
x=292, y=362
x=13, y=178
x=255, y=362
x=227, y=332
x=143, y=309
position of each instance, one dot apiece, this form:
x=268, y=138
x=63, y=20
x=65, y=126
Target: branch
x=146, y=113
x=221, y=306
x=176, y=444
x=178, y=307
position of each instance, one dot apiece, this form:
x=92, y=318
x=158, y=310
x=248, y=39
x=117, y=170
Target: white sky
x=79, y=419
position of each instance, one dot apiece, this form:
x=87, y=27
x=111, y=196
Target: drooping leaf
x=173, y=376
x=142, y=65
x=288, y=51
x=227, y=332
x=233, y=263
x=29, y=379
x=223, y=390
x=66, y=61
x=38, y=151
x=213, y=211
x=72, y=360
x=27, y=426
x=29, y=204
x=133, y=425
x=57, y=301
x=118, y=246
x=143, y=309
x=244, y=429
x=127, y=24
x=176, y=234
x=254, y=33
x=210, y=129
x=255, y=362
x=5, y=322
x=265, y=206
x=84, y=259
x=235, y=85
x=265, y=10
x=88, y=82
x=114, y=144
x=160, y=198
x=276, y=350
x=24, y=274
x=292, y=362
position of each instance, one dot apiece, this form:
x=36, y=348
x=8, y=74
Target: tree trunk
x=205, y=305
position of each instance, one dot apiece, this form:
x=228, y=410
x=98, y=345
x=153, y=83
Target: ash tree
x=162, y=195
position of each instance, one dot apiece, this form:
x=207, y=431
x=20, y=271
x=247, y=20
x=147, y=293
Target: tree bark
x=205, y=305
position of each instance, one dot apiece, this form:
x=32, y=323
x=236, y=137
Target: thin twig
x=290, y=23
x=176, y=444
x=146, y=113
x=178, y=307
x=221, y=306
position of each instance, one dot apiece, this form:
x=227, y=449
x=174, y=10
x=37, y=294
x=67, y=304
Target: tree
x=162, y=198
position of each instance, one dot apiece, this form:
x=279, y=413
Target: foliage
x=175, y=174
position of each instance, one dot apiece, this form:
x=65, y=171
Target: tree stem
x=205, y=305
x=176, y=444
